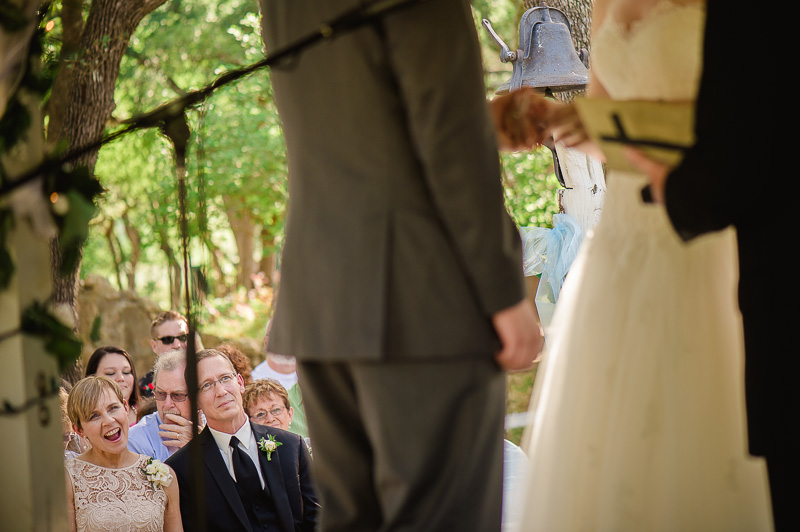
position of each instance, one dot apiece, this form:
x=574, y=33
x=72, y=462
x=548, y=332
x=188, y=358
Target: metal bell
x=547, y=61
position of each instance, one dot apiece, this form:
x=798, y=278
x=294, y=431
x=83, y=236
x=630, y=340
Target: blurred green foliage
x=237, y=154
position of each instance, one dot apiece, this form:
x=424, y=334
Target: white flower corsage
x=157, y=473
x=269, y=445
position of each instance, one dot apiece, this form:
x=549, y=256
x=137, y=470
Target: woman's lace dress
x=638, y=406
x=115, y=500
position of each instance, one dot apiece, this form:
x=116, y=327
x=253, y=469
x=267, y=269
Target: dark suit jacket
x=724, y=180
x=286, y=475
x=398, y=242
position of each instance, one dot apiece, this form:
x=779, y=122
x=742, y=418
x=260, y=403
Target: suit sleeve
x=178, y=465
x=439, y=78
x=310, y=504
x=705, y=192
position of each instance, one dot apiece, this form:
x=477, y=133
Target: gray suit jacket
x=398, y=243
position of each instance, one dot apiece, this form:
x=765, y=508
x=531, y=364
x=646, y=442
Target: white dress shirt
x=247, y=442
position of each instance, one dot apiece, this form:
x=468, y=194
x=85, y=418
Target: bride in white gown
x=638, y=404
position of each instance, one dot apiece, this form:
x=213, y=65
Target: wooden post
x=586, y=186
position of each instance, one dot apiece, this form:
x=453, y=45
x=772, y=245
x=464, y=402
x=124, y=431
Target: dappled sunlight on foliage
x=240, y=314
x=530, y=187
x=237, y=190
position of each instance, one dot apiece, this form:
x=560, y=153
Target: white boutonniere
x=157, y=473
x=269, y=445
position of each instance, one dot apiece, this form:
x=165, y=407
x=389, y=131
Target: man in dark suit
x=256, y=478
x=402, y=293
x=714, y=187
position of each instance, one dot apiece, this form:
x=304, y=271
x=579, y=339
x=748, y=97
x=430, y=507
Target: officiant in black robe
x=729, y=178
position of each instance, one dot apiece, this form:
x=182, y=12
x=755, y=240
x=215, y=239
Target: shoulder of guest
x=144, y=423
x=149, y=419
x=261, y=371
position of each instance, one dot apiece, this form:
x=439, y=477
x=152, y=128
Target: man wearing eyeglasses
x=266, y=402
x=168, y=428
x=255, y=477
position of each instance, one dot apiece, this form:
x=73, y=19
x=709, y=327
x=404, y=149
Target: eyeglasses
x=224, y=380
x=169, y=340
x=177, y=397
x=261, y=414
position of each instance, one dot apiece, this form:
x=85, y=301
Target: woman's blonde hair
x=84, y=397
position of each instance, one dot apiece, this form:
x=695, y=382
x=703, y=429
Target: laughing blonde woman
x=108, y=486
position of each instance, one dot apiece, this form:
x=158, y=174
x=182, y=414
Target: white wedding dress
x=638, y=406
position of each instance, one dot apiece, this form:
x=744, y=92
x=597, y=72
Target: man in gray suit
x=401, y=294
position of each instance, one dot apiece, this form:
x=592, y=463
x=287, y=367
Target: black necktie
x=245, y=469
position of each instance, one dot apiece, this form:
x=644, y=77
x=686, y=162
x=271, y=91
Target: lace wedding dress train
x=638, y=420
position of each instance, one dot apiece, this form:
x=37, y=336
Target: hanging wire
x=346, y=22
x=169, y=117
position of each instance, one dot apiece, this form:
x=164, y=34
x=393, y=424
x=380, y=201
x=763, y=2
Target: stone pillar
x=31, y=454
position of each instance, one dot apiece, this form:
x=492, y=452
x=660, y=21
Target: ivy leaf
x=75, y=229
x=6, y=267
x=79, y=188
x=59, y=340
x=6, y=261
x=13, y=124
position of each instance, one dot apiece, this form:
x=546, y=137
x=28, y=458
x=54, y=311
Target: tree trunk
x=175, y=276
x=221, y=287
x=174, y=271
x=135, y=239
x=579, y=13
x=72, y=27
x=116, y=252
x=91, y=79
x=240, y=218
x=269, y=256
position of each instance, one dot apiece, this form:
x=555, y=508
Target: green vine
x=71, y=191
x=6, y=262
x=59, y=340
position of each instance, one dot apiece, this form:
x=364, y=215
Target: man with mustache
x=168, y=428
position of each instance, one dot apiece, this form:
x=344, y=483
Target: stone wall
x=125, y=321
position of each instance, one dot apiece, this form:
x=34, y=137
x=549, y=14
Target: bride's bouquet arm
x=519, y=119
x=565, y=125
x=655, y=171
x=524, y=119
